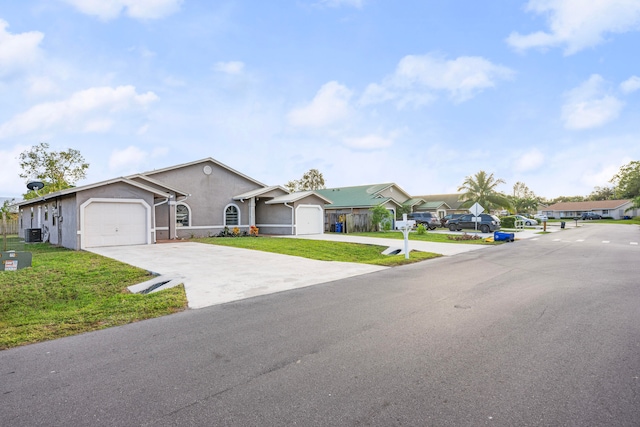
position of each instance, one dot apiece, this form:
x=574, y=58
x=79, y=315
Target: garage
x=115, y=223
x=309, y=219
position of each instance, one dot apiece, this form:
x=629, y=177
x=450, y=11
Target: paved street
x=539, y=332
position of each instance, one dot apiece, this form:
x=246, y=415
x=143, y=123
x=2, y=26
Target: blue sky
x=422, y=93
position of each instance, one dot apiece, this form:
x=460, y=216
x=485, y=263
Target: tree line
x=59, y=170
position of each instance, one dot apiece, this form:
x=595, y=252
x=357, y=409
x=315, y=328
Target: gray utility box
x=32, y=235
x=12, y=260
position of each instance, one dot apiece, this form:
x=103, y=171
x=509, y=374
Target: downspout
x=292, y=220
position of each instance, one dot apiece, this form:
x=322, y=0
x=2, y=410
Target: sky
x=422, y=93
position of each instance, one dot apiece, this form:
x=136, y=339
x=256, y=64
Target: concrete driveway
x=217, y=274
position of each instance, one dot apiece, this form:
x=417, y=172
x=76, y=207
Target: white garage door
x=114, y=224
x=309, y=220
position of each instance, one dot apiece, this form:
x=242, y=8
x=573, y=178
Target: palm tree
x=481, y=188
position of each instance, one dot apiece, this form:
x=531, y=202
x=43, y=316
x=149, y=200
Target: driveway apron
x=217, y=274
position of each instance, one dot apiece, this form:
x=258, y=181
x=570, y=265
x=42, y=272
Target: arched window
x=183, y=215
x=231, y=215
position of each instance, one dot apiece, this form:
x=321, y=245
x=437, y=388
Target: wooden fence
x=12, y=226
x=355, y=223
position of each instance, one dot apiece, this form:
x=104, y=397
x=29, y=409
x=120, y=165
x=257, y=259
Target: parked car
x=486, y=223
x=428, y=219
x=448, y=217
x=525, y=220
x=590, y=215
x=541, y=217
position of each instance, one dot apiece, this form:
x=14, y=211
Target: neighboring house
x=615, y=209
x=360, y=199
x=441, y=204
x=200, y=198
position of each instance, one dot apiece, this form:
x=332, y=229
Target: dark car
x=486, y=223
x=430, y=220
x=448, y=217
x=590, y=215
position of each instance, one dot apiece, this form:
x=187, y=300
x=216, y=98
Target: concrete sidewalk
x=446, y=249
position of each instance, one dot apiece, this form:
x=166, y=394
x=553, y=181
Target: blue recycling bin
x=338, y=227
x=499, y=236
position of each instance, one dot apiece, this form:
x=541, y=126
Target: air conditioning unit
x=33, y=235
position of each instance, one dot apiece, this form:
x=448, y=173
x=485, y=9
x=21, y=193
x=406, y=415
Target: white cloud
x=132, y=159
x=418, y=78
x=10, y=182
x=368, y=142
x=578, y=24
x=41, y=86
x=337, y=3
x=231, y=67
x=630, y=85
x=127, y=158
x=89, y=110
x=330, y=105
x=588, y=105
x=138, y=9
x=529, y=161
x=17, y=51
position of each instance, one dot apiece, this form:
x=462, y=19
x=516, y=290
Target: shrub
x=421, y=229
x=508, y=221
x=464, y=236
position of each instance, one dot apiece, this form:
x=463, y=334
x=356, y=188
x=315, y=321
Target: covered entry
x=115, y=222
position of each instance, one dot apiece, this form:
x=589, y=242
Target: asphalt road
x=540, y=332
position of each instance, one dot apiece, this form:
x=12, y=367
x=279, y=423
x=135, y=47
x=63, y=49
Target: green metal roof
x=362, y=196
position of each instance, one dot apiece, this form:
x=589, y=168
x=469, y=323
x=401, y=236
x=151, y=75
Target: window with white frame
x=183, y=215
x=231, y=215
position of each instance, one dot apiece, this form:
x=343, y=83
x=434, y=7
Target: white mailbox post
x=405, y=230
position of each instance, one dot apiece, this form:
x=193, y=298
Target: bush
x=464, y=236
x=508, y=221
x=422, y=229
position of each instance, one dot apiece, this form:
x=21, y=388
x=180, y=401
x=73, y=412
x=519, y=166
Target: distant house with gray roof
x=616, y=209
x=442, y=204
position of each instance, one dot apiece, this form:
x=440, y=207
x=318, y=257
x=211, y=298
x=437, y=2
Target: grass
x=427, y=237
x=321, y=250
x=69, y=292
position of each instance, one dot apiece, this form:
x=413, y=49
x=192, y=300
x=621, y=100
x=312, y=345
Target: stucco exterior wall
x=210, y=195
x=395, y=194
x=118, y=190
x=271, y=217
x=59, y=224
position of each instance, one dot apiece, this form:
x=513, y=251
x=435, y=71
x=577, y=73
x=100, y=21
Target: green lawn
x=427, y=237
x=69, y=292
x=320, y=250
